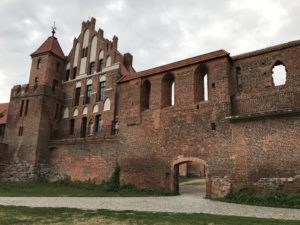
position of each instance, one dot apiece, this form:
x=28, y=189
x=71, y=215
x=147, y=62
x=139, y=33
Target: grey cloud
x=155, y=32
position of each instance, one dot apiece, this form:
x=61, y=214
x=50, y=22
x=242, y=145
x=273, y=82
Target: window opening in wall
x=67, y=75
x=72, y=127
x=54, y=84
x=97, y=123
x=2, y=130
x=213, y=126
x=213, y=85
x=90, y=128
x=38, y=64
x=57, y=67
x=168, y=90
x=26, y=107
x=201, y=84
x=88, y=94
x=56, y=111
x=77, y=96
x=238, y=78
x=279, y=74
x=145, y=95
x=101, y=95
x=92, y=68
x=205, y=80
x=21, y=108
x=100, y=65
x=83, y=126
x=21, y=129
x=74, y=72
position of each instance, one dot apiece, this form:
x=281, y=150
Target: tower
x=35, y=111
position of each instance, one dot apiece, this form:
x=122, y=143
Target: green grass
x=72, y=189
x=269, y=198
x=23, y=215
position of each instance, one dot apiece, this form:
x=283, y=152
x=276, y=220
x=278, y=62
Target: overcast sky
x=155, y=32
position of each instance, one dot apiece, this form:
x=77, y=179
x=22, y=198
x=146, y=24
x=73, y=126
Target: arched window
x=201, y=84
x=98, y=123
x=100, y=65
x=279, y=74
x=106, y=106
x=85, y=111
x=38, y=64
x=145, y=95
x=75, y=113
x=168, y=90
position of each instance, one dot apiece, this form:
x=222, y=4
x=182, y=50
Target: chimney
x=115, y=42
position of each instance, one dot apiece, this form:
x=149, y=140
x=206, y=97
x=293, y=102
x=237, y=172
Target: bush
x=267, y=198
x=113, y=185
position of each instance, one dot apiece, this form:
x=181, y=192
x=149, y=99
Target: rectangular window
x=97, y=123
x=56, y=111
x=101, y=95
x=2, y=130
x=26, y=107
x=21, y=131
x=74, y=72
x=67, y=75
x=100, y=65
x=83, y=126
x=92, y=68
x=72, y=126
x=54, y=84
x=88, y=94
x=57, y=67
x=77, y=96
x=21, y=109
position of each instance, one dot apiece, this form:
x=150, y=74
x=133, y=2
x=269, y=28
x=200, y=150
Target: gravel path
x=186, y=203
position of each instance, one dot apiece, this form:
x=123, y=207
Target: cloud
x=155, y=32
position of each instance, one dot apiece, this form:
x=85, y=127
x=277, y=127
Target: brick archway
x=175, y=168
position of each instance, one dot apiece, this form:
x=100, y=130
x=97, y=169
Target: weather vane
x=53, y=29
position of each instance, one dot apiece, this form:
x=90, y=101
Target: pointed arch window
x=168, y=90
x=145, y=95
x=201, y=84
x=39, y=64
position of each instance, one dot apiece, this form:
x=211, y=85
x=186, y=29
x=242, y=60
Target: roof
x=50, y=45
x=4, y=110
x=267, y=50
x=174, y=65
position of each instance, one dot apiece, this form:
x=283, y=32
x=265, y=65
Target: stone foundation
x=279, y=184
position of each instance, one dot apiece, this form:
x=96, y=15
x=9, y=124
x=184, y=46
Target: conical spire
x=50, y=45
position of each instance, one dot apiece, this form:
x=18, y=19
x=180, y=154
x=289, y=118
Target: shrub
x=113, y=185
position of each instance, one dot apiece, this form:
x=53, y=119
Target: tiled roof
x=174, y=65
x=4, y=110
x=50, y=45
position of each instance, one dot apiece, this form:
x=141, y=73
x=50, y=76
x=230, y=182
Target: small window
x=108, y=61
x=100, y=66
x=201, y=84
x=74, y=72
x=57, y=67
x=21, y=129
x=72, y=127
x=67, y=75
x=26, y=107
x=97, y=123
x=38, y=64
x=101, y=95
x=21, y=108
x=83, y=127
x=213, y=126
x=88, y=94
x=54, y=84
x=36, y=80
x=77, y=96
x=279, y=74
x=168, y=90
x=92, y=67
x=145, y=95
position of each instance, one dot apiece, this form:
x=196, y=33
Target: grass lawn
x=71, y=189
x=23, y=215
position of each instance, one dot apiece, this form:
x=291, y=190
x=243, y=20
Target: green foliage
x=268, y=198
x=113, y=185
x=1, y=114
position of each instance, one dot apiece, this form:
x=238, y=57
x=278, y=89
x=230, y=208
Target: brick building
x=235, y=116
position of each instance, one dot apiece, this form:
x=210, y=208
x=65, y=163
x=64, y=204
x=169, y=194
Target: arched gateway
x=184, y=160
